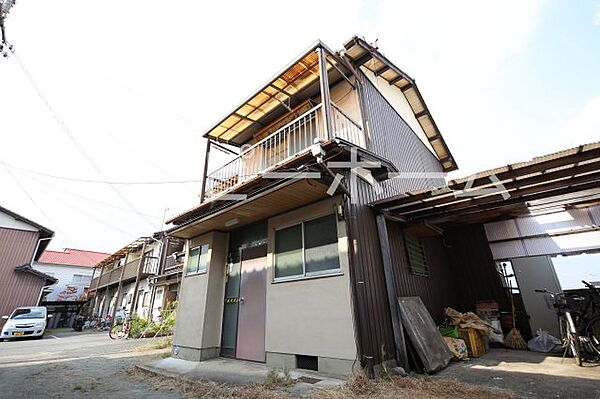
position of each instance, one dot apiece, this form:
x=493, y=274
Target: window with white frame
x=197, y=259
x=307, y=249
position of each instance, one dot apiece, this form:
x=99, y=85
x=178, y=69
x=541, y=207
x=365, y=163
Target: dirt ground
x=77, y=366
x=93, y=366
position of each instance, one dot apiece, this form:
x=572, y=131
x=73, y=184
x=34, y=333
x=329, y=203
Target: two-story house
x=22, y=242
x=73, y=268
x=141, y=278
x=283, y=262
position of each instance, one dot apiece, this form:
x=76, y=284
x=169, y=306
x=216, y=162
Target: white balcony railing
x=280, y=146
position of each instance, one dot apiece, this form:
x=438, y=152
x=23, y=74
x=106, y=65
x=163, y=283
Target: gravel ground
x=77, y=366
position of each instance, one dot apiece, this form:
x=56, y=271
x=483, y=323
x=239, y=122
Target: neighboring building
x=73, y=268
x=22, y=242
x=142, y=278
x=285, y=268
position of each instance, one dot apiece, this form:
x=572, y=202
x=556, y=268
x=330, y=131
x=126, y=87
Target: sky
x=124, y=94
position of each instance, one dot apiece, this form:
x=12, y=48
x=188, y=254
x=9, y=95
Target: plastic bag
x=496, y=332
x=544, y=342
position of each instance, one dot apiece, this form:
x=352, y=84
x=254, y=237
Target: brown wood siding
x=17, y=288
x=438, y=289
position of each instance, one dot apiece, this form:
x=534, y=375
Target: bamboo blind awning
x=245, y=120
x=360, y=52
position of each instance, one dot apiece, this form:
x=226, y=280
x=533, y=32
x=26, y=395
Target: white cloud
x=597, y=18
x=585, y=126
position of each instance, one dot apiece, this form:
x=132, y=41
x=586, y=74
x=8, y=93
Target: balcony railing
x=280, y=146
x=112, y=276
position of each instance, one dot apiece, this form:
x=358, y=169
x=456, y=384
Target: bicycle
x=588, y=320
x=568, y=331
x=120, y=330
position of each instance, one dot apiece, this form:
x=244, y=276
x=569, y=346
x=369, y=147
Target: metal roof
x=73, y=257
x=131, y=247
x=363, y=54
x=252, y=114
x=569, y=178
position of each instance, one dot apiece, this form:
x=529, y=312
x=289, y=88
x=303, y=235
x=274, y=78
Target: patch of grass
x=275, y=379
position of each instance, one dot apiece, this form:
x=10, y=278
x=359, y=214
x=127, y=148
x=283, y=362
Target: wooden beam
x=510, y=173
x=119, y=289
x=138, y=277
x=449, y=200
x=396, y=79
x=519, y=196
x=391, y=288
x=381, y=70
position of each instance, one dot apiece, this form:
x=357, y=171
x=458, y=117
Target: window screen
x=288, y=252
x=321, y=244
x=416, y=255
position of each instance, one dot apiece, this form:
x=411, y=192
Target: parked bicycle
x=121, y=327
x=587, y=319
x=568, y=330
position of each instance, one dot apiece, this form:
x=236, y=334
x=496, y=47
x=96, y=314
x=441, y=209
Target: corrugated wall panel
x=437, y=290
x=16, y=288
x=393, y=139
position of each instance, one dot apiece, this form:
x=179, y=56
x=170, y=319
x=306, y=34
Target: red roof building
x=73, y=257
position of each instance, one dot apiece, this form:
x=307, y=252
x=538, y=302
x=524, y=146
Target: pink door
x=252, y=306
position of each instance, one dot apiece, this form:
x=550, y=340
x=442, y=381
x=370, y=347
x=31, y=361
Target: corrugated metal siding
x=17, y=288
x=474, y=268
x=392, y=138
x=437, y=290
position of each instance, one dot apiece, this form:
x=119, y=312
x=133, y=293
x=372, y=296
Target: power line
x=86, y=198
x=110, y=182
x=70, y=135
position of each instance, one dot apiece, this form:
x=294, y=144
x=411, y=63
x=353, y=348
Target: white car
x=27, y=321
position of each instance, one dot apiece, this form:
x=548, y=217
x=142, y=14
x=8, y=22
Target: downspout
x=37, y=246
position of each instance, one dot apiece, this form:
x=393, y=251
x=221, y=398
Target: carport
x=518, y=216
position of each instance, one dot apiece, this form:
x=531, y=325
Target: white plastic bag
x=496, y=332
x=544, y=342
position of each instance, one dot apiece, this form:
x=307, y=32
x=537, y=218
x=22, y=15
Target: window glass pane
x=321, y=244
x=288, y=252
x=203, y=258
x=192, y=264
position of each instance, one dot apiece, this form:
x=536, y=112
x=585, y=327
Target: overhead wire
x=67, y=131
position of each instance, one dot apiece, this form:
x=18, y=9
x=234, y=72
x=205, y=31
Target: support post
x=138, y=277
x=204, y=172
x=325, y=95
x=119, y=289
x=390, y=284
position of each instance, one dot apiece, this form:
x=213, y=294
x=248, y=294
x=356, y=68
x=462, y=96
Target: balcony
x=281, y=146
x=112, y=276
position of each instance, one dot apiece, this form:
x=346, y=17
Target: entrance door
x=252, y=304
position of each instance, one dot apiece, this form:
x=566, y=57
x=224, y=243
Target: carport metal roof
x=557, y=181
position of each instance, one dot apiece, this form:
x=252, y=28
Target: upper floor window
x=417, y=259
x=307, y=249
x=197, y=259
x=81, y=279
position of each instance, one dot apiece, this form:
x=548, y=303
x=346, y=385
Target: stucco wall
x=313, y=316
x=200, y=308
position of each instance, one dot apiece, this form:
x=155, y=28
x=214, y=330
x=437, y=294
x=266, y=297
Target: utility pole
x=5, y=48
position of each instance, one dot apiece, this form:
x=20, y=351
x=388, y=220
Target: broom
x=513, y=339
